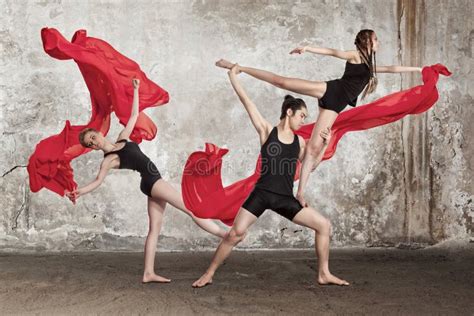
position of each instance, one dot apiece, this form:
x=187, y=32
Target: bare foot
x=154, y=278
x=224, y=64
x=326, y=279
x=204, y=280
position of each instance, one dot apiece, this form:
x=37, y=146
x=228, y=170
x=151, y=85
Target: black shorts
x=334, y=98
x=260, y=200
x=148, y=181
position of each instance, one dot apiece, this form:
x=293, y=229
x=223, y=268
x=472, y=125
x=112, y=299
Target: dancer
x=281, y=149
x=107, y=74
x=334, y=95
x=124, y=154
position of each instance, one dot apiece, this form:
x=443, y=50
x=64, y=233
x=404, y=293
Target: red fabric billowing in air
x=202, y=188
x=108, y=76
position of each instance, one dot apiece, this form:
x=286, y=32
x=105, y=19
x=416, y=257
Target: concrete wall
x=403, y=184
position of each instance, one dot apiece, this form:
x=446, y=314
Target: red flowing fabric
x=202, y=188
x=108, y=76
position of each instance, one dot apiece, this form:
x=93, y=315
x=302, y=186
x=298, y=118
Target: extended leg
x=310, y=218
x=237, y=233
x=307, y=87
x=164, y=191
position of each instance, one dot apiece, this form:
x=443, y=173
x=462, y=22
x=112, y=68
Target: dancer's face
x=297, y=118
x=94, y=140
x=375, y=42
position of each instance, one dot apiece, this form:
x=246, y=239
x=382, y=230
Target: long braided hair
x=364, y=44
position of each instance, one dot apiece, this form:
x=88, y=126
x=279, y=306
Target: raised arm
x=105, y=166
x=125, y=133
x=397, y=69
x=350, y=55
x=262, y=126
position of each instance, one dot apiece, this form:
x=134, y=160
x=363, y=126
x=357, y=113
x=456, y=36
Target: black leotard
x=344, y=91
x=274, y=188
x=131, y=157
x=279, y=161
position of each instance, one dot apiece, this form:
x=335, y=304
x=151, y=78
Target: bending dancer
x=334, y=95
x=124, y=154
x=280, y=151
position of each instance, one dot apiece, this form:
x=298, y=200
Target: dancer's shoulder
x=353, y=57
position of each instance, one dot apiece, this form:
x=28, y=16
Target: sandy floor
x=384, y=282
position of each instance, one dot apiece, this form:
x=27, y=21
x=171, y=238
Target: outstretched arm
x=397, y=69
x=262, y=126
x=125, y=133
x=347, y=55
x=104, y=168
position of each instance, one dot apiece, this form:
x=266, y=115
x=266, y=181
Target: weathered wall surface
x=449, y=130
x=408, y=182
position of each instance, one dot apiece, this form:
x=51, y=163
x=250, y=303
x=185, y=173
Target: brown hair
x=83, y=133
x=291, y=103
x=364, y=44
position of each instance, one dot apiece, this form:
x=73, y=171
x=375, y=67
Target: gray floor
x=384, y=282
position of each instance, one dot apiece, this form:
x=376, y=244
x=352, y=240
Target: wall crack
x=12, y=169
x=25, y=206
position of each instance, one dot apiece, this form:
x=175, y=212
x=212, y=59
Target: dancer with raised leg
x=334, y=95
x=281, y=149
x=125, y=154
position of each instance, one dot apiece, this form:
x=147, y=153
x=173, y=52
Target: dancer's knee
x=154, y=226
x=313, y=149
x=325, y=228
x=153, y=230
x=235, y=236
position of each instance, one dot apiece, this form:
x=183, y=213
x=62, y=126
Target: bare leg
x=156, y=209
x=236, y=234
x=164, y=191
x=314, y=151
x=312, y=88
x=310, y=218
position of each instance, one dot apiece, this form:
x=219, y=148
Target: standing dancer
x=281, y=149
x=334, y=95
x=124, y=154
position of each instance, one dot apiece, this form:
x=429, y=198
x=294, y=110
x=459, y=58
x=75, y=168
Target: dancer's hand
x=136, y=83
x=326, y=135
x=74, y=195
x=222, y=63
x=234, y=70
x=71, y=196
x=298, y=50
x=300, y=198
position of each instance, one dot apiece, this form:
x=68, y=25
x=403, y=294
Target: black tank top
x=354, y=80
x=279, y=162
x=131, y=157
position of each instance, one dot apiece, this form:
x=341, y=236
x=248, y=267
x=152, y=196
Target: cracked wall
x=405, y=183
